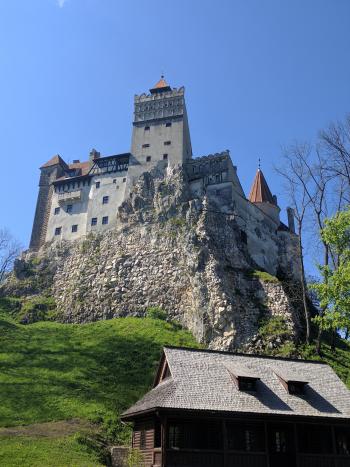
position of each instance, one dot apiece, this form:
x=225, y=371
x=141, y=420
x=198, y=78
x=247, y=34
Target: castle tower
x=261, y=196
x=49, y=172
x=161, y=134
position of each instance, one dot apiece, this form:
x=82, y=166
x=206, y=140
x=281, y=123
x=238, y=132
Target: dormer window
x=246, y=384
x=292, y=383
x=244, y=378
x=296, y=387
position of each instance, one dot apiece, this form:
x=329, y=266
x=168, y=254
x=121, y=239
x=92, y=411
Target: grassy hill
x=52, y=371
x=89, y=372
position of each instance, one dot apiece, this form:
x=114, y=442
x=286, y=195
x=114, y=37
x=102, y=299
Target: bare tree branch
x=9, y=251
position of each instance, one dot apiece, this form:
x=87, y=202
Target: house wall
x=144, y=428
x=278, y=445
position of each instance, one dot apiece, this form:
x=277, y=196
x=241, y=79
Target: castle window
x=218, y=178
x=168, y=124
x=114, y=180
x=145, y=145
x=167, y=143
x=69, y=208
x=58, y=230
x=148, y=159
x=75, y=228
x=147, y=128
x=105, y=200
x=57, y=211
x=124, y=180
x=105, y=220
x=94, y=221
x=165, y=157
x=97, y=184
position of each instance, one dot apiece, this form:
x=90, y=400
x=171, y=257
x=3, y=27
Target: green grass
x=263, y=275
x=51, y=371
x=61, y=452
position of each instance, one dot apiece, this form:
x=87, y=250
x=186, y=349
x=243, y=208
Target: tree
x=292, y=171
x=9, y=251
x=334, y=291
x=335, y=144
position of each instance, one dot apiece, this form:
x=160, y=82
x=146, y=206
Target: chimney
x=290, y=215
x=94, y=155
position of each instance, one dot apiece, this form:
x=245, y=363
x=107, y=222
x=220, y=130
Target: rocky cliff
x=167, y=251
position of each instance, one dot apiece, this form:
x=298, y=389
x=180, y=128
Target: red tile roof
x=260, y=191
x=84, y=166
x=161, y=86
x=57, y=159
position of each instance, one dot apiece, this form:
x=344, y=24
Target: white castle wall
x=90, y=205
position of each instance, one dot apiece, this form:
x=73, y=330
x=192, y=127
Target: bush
x=155, y=312
x=37, y=309
x=135, y=458
x=275, y=326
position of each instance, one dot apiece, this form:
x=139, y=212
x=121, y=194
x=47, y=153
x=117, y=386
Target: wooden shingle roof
x=200, y=381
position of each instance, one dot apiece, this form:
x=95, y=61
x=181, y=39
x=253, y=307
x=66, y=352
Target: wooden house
x=220, y=409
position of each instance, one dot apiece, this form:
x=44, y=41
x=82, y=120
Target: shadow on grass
x=53, y=375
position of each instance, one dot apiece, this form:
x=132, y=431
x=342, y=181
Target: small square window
x=114, y=180
x=97, y=184
x=69, y=208
x=168, y=124
x=94, y=221
x=148, y=159
x=145, y=145
x=165, y=157
x=57, y=211
x=105, y=220
x=58, y=230
x=167, y=143
x=124, y=180
x=147, y=128
x=105, y=200
x=75, y=228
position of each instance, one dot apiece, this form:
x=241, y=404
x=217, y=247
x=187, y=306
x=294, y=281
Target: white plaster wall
x=66, y=220
x=90, y=205
x=96, y=208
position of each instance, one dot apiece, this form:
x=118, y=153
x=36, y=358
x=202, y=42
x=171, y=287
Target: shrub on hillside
x=155, y=312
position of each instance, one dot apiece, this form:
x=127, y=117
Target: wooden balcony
x=69, y=196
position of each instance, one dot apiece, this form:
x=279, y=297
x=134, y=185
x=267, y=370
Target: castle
x=82, y=197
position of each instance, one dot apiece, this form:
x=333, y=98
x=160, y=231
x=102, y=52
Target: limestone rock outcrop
x=172, y=252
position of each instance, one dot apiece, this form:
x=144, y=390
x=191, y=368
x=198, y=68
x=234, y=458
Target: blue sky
x=258, y=75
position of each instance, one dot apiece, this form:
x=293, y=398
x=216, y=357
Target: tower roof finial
x=259, y=163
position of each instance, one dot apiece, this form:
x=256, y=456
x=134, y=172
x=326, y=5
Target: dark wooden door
x=281, y=445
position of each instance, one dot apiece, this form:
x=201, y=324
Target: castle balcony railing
x=70, y=196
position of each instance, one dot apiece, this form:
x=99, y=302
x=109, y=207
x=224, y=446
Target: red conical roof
x=260, y=191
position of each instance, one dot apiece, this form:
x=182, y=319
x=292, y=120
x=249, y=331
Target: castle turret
x=261, y=196
x=160, y=128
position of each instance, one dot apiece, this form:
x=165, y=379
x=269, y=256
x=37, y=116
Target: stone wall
x=175, y=253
